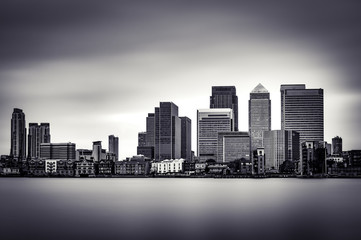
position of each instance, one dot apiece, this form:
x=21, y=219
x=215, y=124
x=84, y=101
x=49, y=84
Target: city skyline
x=99, y=72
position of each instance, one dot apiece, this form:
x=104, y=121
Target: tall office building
x=225, y=97
x=278, y=147
x=97, y=151
x=150, y=138
x=302, y=111
x=18, y=134
x=113, y=146
x=209, y=123
x=146, y=140
x=142, y=142
x=57, y=151
x=337, y=146
x=233, y=146
x=37, y=134
x=259, y=115
x=167, y=143
x=186, y=138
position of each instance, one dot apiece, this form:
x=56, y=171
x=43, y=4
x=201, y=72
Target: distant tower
x=186, y=138
x=167, y=132
x=37, y=134
x=146, y=140
x=142, y=141
x=97, y=151
x=113, y=145
x=18, y=135
x=259, y=115
x=209, y=123
x=337, y=146
x=225, y=97
x=302, y=111
x=150, y=129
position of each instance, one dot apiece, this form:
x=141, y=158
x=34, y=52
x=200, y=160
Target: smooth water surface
x=172, y=208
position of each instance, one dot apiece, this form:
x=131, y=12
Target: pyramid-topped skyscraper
x=259, y=115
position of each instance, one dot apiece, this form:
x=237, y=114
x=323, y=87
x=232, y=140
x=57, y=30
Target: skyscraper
x=167, y=132
x=302, y=111
x=37, y=134
x=113, y=146
x=278, y=147
x=186, y=138
x=18, y=134
x=225, y=97
x=97, y=151
x=150, y=129
x=259, y=115
x=209, y=123
x=337, y=146
x=142, y=142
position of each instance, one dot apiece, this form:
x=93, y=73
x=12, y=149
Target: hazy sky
x=95, y=68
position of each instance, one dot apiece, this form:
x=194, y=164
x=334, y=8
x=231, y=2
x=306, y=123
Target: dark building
x=302, y=111
x=186, y=138
x=142, y=142
x=146, y=151
x=105, y=167
x=337, y=146
x=258, y=163
x=150, y=137
x=36, y=167
x=18, y=135
x=37, y=134
x=259, y=115
x=354, y=158
x=225, y=97
x=84, y=168
x=167, y=132
x=146, y=140
x=313, y=159
x=137, y=165
x=57, y=151
x=113, y=146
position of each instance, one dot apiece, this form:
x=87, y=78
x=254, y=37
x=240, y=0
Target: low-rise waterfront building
x=84, y=168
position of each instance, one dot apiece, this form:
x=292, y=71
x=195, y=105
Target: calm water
x=127, y=208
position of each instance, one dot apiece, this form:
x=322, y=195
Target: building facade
x=280, y=146
x=259, y=116
x=167, y=132
x=302, y=110
x=209, y=123
x=186, y=138
x=225, y=97
x=18, y=135
x=337, y=146
x=113, y=146
x=57, y=151
x=232, y=146
x=37, y=134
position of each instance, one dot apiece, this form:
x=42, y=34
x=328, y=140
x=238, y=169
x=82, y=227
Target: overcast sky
x=95, y=68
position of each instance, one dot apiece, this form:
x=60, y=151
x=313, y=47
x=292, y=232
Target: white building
x=50, y=166
x=169, y=166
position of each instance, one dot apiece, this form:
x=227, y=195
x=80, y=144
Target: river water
x=179, y=208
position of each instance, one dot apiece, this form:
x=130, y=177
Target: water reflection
x=180, y=208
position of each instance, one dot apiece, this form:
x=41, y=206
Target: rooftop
x=259, y=89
